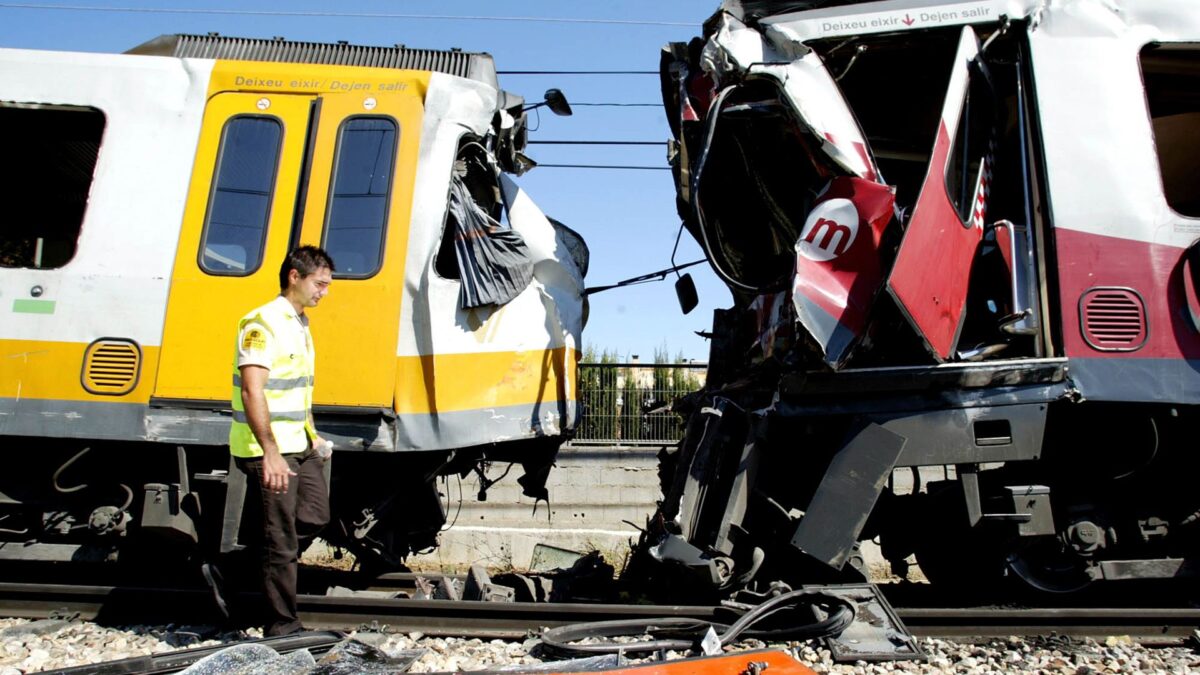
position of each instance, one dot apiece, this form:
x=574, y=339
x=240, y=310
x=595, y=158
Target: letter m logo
x=832, y=229
x=829, y=230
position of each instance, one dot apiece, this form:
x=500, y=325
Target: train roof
x=477, y=66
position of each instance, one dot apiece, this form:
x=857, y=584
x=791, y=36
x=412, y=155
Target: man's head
x=305, y=275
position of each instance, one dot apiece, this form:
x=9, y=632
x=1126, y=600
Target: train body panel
x=118, y=279
x=1024, y=324
x=158, y=192
x=1115, y=227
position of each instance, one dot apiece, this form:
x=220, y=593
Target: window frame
x=87, y=196
x=387, y=196
x=204, y=231
x=977, y=75
x=1192, y=46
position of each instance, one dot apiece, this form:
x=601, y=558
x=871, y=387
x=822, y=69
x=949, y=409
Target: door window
x=358, y=204
x=235, y=226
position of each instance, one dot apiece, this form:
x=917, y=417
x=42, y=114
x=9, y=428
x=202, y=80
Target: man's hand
x=275, y=471
x=323, y=447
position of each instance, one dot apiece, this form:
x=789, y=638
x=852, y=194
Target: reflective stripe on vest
x=288, y=389
x=278, y=383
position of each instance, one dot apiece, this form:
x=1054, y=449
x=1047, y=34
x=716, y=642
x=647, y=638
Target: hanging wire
x=340, y=15
x=605, y=166
x=596, y=142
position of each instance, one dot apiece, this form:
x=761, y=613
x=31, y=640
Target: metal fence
x=630, y=403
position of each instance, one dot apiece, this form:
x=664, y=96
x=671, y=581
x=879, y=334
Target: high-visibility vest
x=289, y=349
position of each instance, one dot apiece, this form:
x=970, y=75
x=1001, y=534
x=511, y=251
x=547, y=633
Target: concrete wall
x=595, y=495
x=593, y=492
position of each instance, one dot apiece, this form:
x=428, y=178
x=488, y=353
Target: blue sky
x=627, y=217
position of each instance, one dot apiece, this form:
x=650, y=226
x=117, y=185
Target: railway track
x=124, y=605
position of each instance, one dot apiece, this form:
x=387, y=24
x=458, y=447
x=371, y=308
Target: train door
x=274, y=171
x=357, y=207
x=932, y=270
x=236, y=231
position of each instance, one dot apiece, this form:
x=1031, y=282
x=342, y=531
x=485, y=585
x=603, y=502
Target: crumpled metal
x=493, y=260
x=348, y=657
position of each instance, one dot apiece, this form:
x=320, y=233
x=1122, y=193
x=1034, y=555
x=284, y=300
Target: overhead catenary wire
x=577, y=72
x=560, y=142
x=605, y=166
x=333, y=14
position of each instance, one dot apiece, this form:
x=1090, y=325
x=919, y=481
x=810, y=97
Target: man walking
x=273, y=438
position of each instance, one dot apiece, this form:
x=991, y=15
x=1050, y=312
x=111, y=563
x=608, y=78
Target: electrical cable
x=340, y=15
x=446, y=480
x=597, y=143
x=605, y=166
x=61, y=469
x=682, y=634
x=568, y=72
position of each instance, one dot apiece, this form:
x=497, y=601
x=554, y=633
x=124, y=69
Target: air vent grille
x=111, y=366
x=1113, y=319
x=473, y=65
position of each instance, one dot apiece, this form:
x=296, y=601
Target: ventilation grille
x=111, y=366
x=1113, y=319
x=473, y=65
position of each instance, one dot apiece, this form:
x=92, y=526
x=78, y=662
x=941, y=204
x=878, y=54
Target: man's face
x=310, y=289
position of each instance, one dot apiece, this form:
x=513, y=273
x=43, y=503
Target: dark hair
x=305, y=260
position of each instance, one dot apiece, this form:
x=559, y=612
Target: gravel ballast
x=34, y=646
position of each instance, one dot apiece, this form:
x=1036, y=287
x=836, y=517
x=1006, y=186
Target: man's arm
x=258, y=417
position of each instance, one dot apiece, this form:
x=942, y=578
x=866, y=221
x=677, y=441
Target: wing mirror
x=556, y=101
x=685, y=290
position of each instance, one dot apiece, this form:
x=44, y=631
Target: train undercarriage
x=75, y=502
x=980, y=473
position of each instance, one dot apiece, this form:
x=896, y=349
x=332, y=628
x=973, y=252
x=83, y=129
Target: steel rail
x=112, y=604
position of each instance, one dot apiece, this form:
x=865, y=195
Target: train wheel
x=1049, y=567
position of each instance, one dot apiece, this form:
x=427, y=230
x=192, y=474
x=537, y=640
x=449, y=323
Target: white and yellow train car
x=148, y=201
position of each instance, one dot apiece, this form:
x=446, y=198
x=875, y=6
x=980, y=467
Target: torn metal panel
x=520, y=345
x=877, y=633
x=736, y=53
x=845, y=497
x=493, y=260
x=935, y=302
x=839, y=264
x=773, y=321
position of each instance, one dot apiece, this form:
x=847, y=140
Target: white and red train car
x=963, y=240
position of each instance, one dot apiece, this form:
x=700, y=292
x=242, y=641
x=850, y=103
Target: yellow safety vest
x=284, y=343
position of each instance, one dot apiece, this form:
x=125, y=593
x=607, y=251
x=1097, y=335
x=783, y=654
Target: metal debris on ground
x=876, y=634
x=348, y=657
x=547, y=558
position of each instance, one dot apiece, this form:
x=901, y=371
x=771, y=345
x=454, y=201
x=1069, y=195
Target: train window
x=976, y=130
x=235, y=226
x=50, y=155
x=1172, y=77
x=355, y=223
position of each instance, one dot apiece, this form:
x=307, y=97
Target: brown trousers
x=286, y=519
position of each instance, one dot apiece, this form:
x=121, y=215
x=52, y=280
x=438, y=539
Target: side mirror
x=685, y=290
x=557, y=102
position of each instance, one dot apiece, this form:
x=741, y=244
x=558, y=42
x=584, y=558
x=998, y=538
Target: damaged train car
x=150, y=199
x=963, y=240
